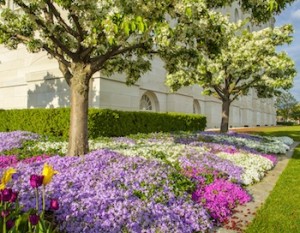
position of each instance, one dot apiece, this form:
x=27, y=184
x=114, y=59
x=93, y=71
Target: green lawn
x=281, y=212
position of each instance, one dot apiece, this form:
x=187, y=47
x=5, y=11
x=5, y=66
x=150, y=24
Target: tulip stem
x=44, y=203
x=4, y=225
x=30, y=227
x=37, y=199
x=4, y=219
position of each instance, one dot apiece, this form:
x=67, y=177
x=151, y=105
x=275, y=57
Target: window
x=146, y=104
x=196, y=107
x=149, y=102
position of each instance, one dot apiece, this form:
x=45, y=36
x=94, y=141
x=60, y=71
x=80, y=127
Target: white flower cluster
x=276, y=145
x=255, y=166
x=60, y=147
x=284, y=139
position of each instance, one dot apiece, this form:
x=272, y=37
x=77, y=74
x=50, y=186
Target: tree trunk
x=78, y=134
x=225, y=115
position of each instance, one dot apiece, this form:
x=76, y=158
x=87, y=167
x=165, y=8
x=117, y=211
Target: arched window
x=196, y=107
x=145, y=103
x=149, y=102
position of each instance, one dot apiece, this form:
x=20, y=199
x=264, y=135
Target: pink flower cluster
x=220, y=198
x=273, y=158
x=12, y=160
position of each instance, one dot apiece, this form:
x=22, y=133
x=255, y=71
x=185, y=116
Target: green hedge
x=288, y=123
x=102, y=122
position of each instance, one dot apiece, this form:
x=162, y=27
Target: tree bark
x=225, y=115
x=78, y=134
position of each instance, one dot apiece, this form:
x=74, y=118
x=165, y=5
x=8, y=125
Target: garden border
x=244, y=214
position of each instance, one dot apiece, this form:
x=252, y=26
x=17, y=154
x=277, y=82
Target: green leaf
x=141, y=27
x=110, y=40
x=133, y=26
x=188, y=12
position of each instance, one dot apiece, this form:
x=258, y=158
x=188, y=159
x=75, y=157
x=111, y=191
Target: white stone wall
x=34, y=81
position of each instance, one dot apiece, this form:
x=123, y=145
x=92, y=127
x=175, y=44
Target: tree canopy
x=116, y=36
x=286, y=105
x=244, y=60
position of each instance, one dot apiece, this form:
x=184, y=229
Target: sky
x=291, y=15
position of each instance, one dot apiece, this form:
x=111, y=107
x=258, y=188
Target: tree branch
x=219, y=92
x=44, y=28
x=99, y=60
x=57, y=55
x=60, y=20
x=66, y=72
x=77, y=25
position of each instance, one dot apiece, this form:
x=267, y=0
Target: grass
x=281, y=211
x=291, y=131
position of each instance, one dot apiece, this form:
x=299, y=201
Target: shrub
x=102, y=122
x=288, y=123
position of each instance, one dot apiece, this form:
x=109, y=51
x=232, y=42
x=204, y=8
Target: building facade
x=34, y=81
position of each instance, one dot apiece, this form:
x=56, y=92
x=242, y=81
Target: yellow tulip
x=48, y=173
x=7, y=177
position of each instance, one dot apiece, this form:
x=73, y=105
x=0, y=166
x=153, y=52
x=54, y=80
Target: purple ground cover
x=10, y=140
x=209, y=160
x=108, y=192
x=105, y=191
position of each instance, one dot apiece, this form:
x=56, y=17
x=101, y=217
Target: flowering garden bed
x=185, y=182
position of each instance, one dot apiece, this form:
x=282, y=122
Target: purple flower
x=105, y=191
x=10, y=224
x=54, y=205
x=36, y=181
x=6, y=194
x=34, y=219
x=15, y=139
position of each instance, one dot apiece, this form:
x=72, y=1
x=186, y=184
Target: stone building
x=34, y=81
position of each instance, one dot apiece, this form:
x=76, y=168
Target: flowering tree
x=295, y=115
x=285, y=103
x=243, y=61
x=111, y=36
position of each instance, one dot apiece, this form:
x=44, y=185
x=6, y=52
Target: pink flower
x=4, y=213
x=54, y=205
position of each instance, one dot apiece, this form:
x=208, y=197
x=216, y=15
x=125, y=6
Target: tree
x=286, y=104
x=295, y=114
x=111, y=36
x=243, y=61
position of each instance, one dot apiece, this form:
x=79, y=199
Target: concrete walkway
x=245, y=214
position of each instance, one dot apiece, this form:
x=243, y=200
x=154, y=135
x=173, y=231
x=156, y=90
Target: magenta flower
x=4, y=213
x=36, y=181
x=34, y=219
x=14, y=196
x=54, y=205
x=221, y=197
x=6, y=194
